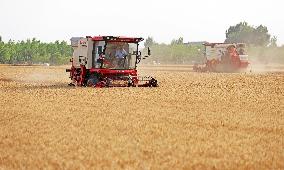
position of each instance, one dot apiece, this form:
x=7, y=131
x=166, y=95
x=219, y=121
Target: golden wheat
x=192, y=121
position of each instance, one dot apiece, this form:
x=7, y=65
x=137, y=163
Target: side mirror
x=149, y=51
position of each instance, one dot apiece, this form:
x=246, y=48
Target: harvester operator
x=120, y=54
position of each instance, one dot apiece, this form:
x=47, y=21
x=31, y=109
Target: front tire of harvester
x=92, y=82
x=153, y=83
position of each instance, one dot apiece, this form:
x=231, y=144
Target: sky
x=164, y=20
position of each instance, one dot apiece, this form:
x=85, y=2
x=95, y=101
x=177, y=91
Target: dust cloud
x=36, y=75
x=260, y=65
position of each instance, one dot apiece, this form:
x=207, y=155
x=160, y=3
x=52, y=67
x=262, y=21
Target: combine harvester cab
x=223, y=57
x=107, y=61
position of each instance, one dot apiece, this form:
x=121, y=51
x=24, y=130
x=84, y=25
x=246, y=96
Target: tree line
x=261, y=46
x=33, y=51
x=174, y=53
x=245, y=33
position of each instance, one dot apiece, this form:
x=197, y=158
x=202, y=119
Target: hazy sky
x=200, y=20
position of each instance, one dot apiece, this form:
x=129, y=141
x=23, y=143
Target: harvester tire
x=153, y=83
x=92, y=82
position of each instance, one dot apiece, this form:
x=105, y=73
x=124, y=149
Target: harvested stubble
x=192, y=121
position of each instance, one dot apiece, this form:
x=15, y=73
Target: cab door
x=97, y=50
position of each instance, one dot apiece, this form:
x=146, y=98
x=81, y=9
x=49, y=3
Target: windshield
x=120, y=55
x=241, y=49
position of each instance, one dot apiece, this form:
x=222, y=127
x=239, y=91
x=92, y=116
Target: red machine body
x=223, y=57
x=107, y=61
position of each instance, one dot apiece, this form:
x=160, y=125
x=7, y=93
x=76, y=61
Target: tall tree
x=33, y=51
x=2, y=51
x=245, y=33
x=149, y=42
x=177, y=41
x=273, y=41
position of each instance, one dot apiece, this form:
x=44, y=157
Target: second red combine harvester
x=223, y=57
x=107, y=61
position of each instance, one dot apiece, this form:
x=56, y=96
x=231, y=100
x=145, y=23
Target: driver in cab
x=120, y=54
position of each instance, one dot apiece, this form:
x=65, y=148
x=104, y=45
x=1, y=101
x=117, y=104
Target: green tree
x=177, y=41
x=273, y=41
x=245, y=33
x=33, y=51
x=149, y=42
x=261, y=36
x=2, y=52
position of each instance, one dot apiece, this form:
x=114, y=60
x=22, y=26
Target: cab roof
x=213, y=44
x=117, y=39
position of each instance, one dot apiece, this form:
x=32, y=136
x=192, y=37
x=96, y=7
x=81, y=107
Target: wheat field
x=192, y=121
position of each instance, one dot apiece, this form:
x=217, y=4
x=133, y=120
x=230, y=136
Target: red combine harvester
x=223, y=57
x=107, y=61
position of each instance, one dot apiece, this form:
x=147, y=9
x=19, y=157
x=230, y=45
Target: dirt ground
x=192, y=121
